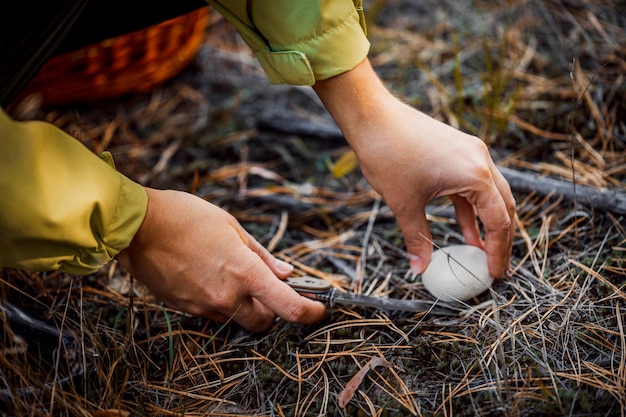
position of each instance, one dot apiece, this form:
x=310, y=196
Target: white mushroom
x=457, y=272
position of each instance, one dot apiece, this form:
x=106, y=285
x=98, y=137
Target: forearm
x=62, y=207
x=354, y=99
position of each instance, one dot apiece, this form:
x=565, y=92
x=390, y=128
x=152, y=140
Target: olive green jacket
x=64, y=208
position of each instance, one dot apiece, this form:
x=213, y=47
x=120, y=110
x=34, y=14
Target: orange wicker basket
x=132, y=63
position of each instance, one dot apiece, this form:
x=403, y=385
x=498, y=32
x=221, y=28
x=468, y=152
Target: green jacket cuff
x=63, y=208
x=299, y=42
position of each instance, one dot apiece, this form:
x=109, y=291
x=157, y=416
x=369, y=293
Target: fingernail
x=283, y=267
x=415, y=263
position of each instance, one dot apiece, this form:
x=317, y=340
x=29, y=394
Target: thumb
x=276, y=294
x=280, y=268
x=417, y=239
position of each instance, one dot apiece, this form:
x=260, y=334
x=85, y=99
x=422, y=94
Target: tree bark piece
x=610, y=200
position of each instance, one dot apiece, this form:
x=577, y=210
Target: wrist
x=354, y=99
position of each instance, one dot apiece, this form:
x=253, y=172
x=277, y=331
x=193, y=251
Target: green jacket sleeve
x=300, y=41
x=61, y=206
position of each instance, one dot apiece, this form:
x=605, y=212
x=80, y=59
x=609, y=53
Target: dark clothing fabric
x=106, y=19
x=33, y=31
x=29, y=33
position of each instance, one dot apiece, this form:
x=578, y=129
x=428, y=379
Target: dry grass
x=541, y=81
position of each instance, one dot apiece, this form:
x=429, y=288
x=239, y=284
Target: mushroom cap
x=457, y=272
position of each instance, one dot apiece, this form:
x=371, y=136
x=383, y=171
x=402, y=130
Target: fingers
x=246, y=311
x=466, y=216
x=272, y=298
x=493, y=203
x=256, y=307
x=288, y=304
x=496, y=207
x=258, y=296
x=280, y=268
x=267, y=296
x=258, y=314
x=254, y=315
x=509, y=202
x=417, y=238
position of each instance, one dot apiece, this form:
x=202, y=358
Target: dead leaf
x=344, y=165
x=348, y=392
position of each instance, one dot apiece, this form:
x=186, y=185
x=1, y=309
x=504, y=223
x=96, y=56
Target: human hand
x=411, y=158
x=197, y=258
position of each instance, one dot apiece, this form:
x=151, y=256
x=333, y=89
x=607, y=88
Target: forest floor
x=542, y=82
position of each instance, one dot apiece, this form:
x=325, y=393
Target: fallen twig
x=610, y=200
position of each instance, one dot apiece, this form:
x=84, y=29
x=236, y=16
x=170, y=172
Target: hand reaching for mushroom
x=411, y=158
x=197, y=258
